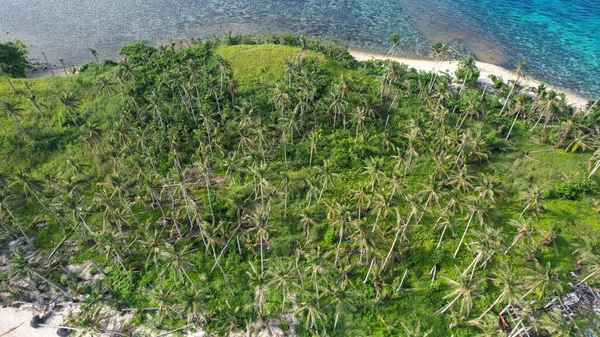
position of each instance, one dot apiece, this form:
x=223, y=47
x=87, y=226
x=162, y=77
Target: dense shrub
x=572, y=189
x=12, y=58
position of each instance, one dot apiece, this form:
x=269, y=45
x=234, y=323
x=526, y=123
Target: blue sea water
x=558, y=38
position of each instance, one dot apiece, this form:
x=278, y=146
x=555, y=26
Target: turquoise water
x=557, y=38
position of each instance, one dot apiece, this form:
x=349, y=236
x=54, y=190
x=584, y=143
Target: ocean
x=558, y=38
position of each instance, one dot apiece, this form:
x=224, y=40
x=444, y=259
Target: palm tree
x=179, y=259
x=557, y=326
x=314, y=136
x=341, y=300
x=439, y=51
x=532, y=200
x=467, y=69
x=488, y=242
x=463, y=289
x=525, y=230
x=5, y=197
x=19, y=266
x=62, y=63
x=33, y=100
x=488, y=326
x=163, y=299
x=394, y=40
x=13, y=113
x=9, y=81
x=511, y=285
x=281, y=278
x=192, y=305
x=520, y=74
x=280, y=98
x=31, y=185
x=591, y=265
x=544, y=279
x=374, y=169
x=260, y=219
x=521, y=103
x=69, y=101
x=94, y=54
x=259, y=284
x=475, y=207
x=308, y=306
x=416, y=330
x=106, y=86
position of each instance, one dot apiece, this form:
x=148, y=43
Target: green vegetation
x=12, y=58
x=234, y=183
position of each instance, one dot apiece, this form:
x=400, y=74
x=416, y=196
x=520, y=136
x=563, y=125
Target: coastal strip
x=485, y=69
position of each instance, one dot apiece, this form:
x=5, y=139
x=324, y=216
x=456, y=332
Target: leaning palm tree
x=591, y=265
x=525, y=230
x=94, y=54
x=341, y=300
x=488, y=326
x=192, y=305
x=543, y=279
x=178, y=258
x=19, y=266
x=259, y=285
x=281, y=278
x=308, y=307
x=33, y=100
x=476, y=207
x=520, y=74
x=532, y=200
x=415, y=331
x=463, y=291
x=394, y=40
x=13, y=113
x=5, y=197
x=557, y=326
x=260, y=219
x=511, y=285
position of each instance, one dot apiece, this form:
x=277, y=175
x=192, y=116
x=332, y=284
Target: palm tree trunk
x=9, y=82
x=43, y=118
x=369, y=271
x=463, y=236
x=3, y=129
x=450, y=304
x=262, y=260
x=508, y=97
x=299, y=273
x=402, y=280
x=512, y=244
x=512, y=126
x=52, y=284
x=339, y=246
x=589, y=276
x=18, y=225
x=391, y=248
x=493, y=304
x=441, y=238
x=212, y=213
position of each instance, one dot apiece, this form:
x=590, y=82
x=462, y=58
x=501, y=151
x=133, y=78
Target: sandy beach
x=485, y=69
x=14, y=322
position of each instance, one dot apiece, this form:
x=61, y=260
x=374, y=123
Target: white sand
x=21, y=317
x=485, y=70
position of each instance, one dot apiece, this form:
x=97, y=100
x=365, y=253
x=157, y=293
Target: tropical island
x=274, y=185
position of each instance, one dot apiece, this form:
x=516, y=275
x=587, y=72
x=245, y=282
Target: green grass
x=259, y=63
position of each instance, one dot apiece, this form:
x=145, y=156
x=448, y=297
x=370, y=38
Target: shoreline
x=428, y=65
x=485, y=69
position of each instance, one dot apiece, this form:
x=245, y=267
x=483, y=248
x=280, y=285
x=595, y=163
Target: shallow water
x=557, y=38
